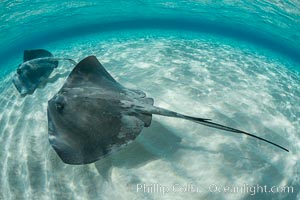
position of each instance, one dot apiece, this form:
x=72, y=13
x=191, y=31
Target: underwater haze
x=236, y=62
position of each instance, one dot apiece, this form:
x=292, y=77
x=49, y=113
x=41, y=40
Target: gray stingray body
x=32, y=72
x=37, y=66
x=93, y=115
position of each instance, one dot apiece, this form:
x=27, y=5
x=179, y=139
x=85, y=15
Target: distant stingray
x=37, y=66
x=93, y=115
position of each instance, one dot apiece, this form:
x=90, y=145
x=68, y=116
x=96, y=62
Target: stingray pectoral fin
x=35, y=53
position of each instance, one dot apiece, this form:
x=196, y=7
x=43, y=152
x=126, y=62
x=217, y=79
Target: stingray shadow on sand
x=155, y=142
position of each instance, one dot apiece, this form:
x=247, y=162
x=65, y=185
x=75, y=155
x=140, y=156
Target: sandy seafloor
x=231, y=82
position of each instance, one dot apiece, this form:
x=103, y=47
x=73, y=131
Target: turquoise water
x=234, y=62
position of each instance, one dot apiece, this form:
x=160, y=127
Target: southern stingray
x=37, y=66
x=93, y=115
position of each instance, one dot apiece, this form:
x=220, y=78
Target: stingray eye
x=59, y=103
x=59, y=106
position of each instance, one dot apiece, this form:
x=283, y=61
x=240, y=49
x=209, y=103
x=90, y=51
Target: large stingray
x=37, y=66
x=93, y=115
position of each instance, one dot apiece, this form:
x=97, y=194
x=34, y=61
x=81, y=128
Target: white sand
x=235, y=86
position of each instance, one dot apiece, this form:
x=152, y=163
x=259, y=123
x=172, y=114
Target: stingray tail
x=41, y=58
x=47, y=59
x=207, y=122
